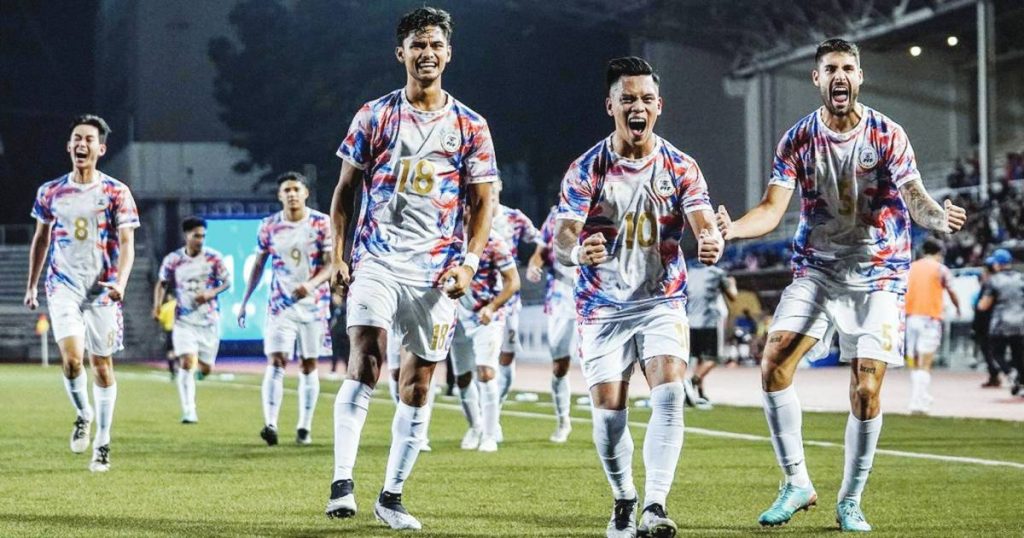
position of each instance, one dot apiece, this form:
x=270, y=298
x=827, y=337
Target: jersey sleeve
x=694, y=190
x=166, y=269
x=900, y=159
x=576, y=195
x=41, y=209
x=503, y=259
x=263, y=237
x=547, y=230
x=480, y=164
x=220, y=271
x=355, y=148
x=528, y=232
x=785, y=162
x=127, y=213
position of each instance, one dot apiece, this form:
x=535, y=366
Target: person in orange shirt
x=928, y=278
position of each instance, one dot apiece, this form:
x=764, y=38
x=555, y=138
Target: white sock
x=105, y=398
x=349, y=416
x=490, y=408
x=915, y=389
x=187, y=390
x=470, y=399
x=560, y=395
x=309, y=393
x=78, y=391
x=861, y=440
x=615, y=449
x=926, y=383
x=272, y=392
x=431, y=396
x=407, y=430
x=663, y=442
x=785, y=421
x=506, y=375
x=392, y=388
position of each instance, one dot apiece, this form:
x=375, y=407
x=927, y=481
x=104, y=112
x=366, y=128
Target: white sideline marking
x=692, y=430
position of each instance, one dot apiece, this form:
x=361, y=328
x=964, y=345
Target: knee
x=463, y=380
x=205, y=368
x=866, y=390
x=485, y=373
x=560, y=367
x=773, y=378
x=308, y=366
x=415, y=394
x=103, y=368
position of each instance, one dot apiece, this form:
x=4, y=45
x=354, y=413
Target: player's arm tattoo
x=567, y=236
x=923, y=209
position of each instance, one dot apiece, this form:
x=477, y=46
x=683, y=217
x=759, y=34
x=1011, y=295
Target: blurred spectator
x=979, y=332
x=1004, y=296
x=744, y=330
x=958, y=177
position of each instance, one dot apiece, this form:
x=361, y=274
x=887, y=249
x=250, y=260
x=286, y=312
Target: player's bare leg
x=862, y=430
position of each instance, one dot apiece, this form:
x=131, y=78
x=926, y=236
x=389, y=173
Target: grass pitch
x=217, y=478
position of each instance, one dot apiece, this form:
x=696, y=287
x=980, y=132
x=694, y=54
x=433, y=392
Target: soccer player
x=859, y=187
x=628, y=198
x=198, y=275
x=298, y=242
x=706, y=311
x=418, y=154
x=479, y=330
x=561, y=320
x=1003, y=295
x=927, y=279
x=85, y=223
x=516, y=229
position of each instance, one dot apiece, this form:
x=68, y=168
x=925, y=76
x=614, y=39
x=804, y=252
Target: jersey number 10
x=640, y=228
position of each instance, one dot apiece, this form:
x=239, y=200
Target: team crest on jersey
x=867, y=158
x=663, y=186
x=450, y=141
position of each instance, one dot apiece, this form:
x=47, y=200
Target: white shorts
x=100, y=327
x=870, y=323
x=924, y=334
x=510, y=340
x=200, y=340
x=476, y=346
x=423, y=317
x=608, y=350
x=561, y=336
x=283, y=331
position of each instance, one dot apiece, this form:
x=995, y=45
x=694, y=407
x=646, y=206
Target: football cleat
x=269, y=434
x=190, y=417
x=303, y=437
x=791, y=499
x=850, y=517
x=471, y=441
x=80, y=435
x=389, y=510
x=100, y=459
x=622, y=524
x=342, y=503
x=655, y=524
x=561, y=434
x=425, y=446
x=488, y=444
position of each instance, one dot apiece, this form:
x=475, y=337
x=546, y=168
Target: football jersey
x=486, y=283
x=854, y=225
x=705, y=306
x=190, y=275
x=297, y=253
x=560, y=279
x=418, y=166
x=84, y=242
x=640, y=206
x=514, y=227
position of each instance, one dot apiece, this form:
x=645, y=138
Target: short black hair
x=419, y=19
x=292, y=176
x=191, y=223
x=836, y=45
x=91, y=119
x=931, y=246
x=629, y=66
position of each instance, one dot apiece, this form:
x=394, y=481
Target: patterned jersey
x=297, y=253
x=418, y=166
x=640, y=206
x=854, y=225
x=705, y=306
x=514, y=227
x=560, y=279
x=486, y=283
x=84, y=242
x=191, y=274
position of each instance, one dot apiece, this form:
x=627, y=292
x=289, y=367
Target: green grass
x=218, y=478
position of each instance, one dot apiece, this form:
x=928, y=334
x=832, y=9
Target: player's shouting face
x=838, y=78
x=85, y=147
x=635, y=104
x=425, y=54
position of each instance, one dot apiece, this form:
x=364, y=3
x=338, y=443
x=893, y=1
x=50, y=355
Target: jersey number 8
x=423, y=176
x=81, y=232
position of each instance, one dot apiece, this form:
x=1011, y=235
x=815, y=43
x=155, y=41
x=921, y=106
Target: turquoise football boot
x=791, y=499
x=850, y=518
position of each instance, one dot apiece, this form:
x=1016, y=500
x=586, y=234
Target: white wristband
x=574, y=254
x=472, y=260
